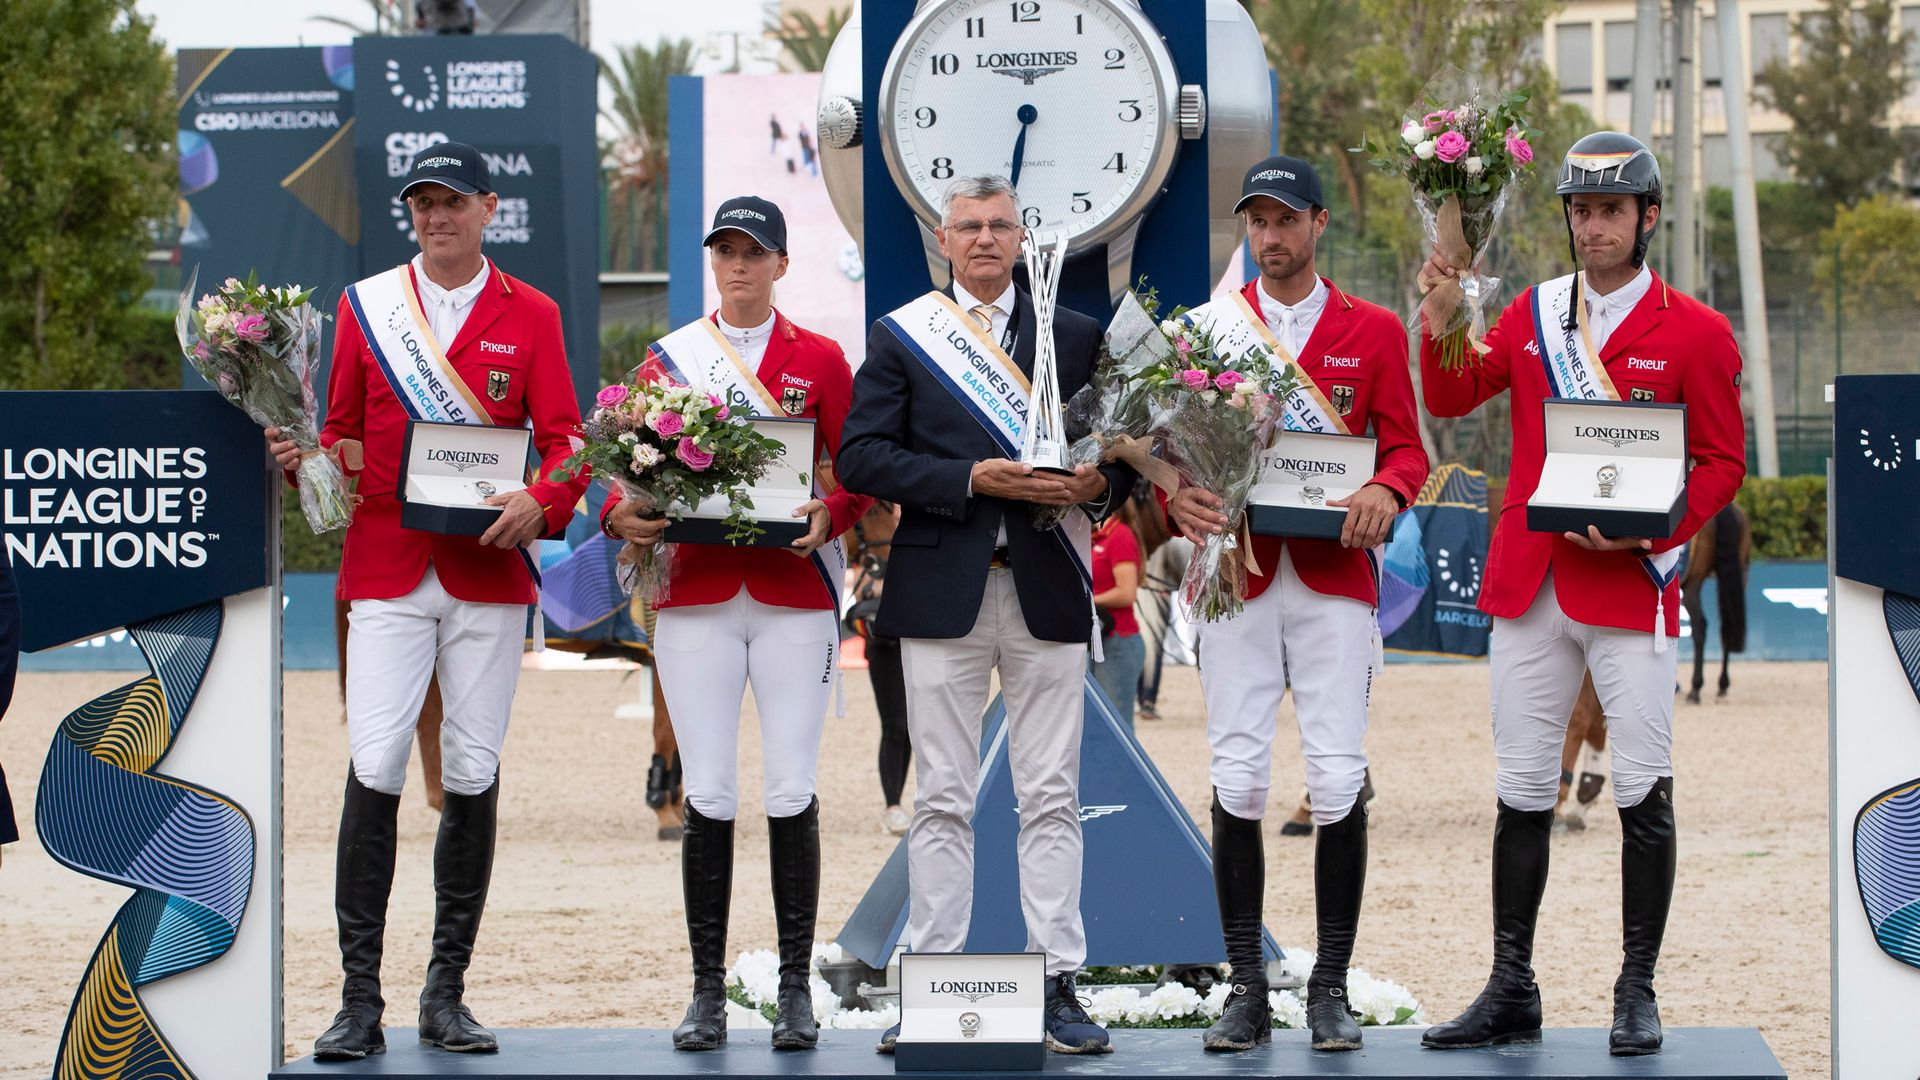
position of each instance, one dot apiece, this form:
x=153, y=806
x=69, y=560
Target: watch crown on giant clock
x=1193, y=111
x=839, y=123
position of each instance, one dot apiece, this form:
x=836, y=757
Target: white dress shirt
x=447, y=309
x=750, y=343
x=1293, y=325
x=1606, y=313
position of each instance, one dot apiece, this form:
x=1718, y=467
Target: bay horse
x=1722, y=550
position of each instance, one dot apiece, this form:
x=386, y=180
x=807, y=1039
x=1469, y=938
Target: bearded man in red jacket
x=1309, y=621
x=1572, y=602
x=491, y=345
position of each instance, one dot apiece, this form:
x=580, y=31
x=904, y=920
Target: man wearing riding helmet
x=1572, y=602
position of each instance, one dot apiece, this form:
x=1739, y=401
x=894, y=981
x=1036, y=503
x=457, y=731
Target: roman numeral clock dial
x=1071, y=99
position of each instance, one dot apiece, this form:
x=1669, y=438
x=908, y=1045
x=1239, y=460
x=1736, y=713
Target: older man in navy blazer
x=972, y=585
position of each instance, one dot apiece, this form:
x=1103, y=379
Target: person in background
x=872, y=543
x=1116, y=585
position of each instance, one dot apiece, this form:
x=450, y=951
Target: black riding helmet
x=1609, y=163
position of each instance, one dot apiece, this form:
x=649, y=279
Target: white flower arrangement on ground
x=754, y=982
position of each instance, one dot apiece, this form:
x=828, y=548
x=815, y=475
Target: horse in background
x=1722, y=550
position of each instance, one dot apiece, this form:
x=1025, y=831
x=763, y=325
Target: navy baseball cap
x=455, y=164
x=1288, y=179
x=754, y=216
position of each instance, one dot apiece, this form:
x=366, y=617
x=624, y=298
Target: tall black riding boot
x=793, y=846
x=1508, y=1010
x=706, y=875
x=1647, y=849
x=462, y=868
x=1339, y=880
x=1239, y=884
x=362, y=879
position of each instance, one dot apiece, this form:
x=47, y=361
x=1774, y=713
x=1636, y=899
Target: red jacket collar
x=1333, y=318
x=1644, y=317
x=486, y=307
x=779, y=345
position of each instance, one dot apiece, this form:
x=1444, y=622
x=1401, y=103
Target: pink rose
x=250, y=327
x=610, y=396
x=229, y=385
x=695, y=458
x=1227, y=380
x=1182, y=346
x=723, y=413
x=1451, y=147
x=1518, y=148
x=715, y=398
x=1437, y=121
x=1194, y=378
x=200, y=351
x=668, y=424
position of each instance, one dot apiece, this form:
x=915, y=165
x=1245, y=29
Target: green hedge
x=1789, y=516
x=302, y=551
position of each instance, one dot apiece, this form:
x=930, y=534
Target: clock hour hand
x=1027, y=115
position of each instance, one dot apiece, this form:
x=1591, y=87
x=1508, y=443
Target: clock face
x=1072, y=99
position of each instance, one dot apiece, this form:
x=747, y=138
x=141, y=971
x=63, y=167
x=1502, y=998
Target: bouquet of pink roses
x=670, y=446
x=258, y=347
x=1461, y=151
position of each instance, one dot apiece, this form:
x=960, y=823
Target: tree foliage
x=1850, y=74
x=635, y=159
x=1874, y=248
x=86, y=173
x=806, y=40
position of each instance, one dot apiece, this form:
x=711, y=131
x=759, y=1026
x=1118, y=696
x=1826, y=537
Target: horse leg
x=664, y=790
x=1697, y=614
x=1570, y=814
x=1726, y=679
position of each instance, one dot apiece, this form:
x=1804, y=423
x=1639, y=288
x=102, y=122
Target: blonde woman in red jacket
x=762, y=615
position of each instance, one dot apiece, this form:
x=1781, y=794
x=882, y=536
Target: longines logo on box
x=1306, y=467
x=1616, y=437
x=463, y=459
x=974, y=990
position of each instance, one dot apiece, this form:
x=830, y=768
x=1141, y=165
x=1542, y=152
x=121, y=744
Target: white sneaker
x=896, y=821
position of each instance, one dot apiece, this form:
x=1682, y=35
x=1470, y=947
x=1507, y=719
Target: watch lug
x=1120, y=262
x=938, y=270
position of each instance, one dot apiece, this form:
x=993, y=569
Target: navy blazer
x=908, y=440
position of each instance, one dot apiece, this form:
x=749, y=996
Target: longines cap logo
x=744, y=214
x=1273, y=174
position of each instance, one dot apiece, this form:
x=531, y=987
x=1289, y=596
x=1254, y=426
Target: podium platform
x=1390, y=1054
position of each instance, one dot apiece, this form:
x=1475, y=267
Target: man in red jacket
x=492, y=346
x=1309, y=619
x=1573, y=602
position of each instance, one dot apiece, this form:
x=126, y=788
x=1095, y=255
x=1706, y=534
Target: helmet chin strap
x=1645, y=239
x=1572, y=320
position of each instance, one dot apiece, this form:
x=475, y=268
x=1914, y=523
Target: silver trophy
x=1045, y=446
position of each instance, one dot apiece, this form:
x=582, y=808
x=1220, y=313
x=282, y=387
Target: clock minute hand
x=1027, y=115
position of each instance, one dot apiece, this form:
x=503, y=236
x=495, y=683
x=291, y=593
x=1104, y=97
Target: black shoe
x=706, y=875
x=1330, y=1020
x=462, y=870
x=362, y=880
x=1069, y=1029
x=1245, y=1022
x=1508, y=1009
x=1339, y=881
x=1239, y=887
x=1647, y=854
x=793, y=846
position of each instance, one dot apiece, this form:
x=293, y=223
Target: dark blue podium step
x=1390, y=1054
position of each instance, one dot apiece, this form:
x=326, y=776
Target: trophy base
x=1048, y=457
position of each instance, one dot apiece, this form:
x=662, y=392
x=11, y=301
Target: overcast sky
x=205, y=23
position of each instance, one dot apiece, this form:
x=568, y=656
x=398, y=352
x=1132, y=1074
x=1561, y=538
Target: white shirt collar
x=457, y=298
x=747, y=334
x=1304, y=312
x=1617, y=303
x=968, y=301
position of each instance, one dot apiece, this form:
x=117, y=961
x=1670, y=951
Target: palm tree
x=635, y=159
x=807, y=40
x=387, y=20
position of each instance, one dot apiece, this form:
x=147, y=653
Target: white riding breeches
x=1044, y=683
x=706, y=655
x=393, y=649
x=1534, y=665
x=1324, y=648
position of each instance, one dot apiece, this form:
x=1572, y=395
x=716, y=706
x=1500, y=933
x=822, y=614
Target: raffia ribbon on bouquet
x=1444, y=294
x=351, y=456
x=1138, y=454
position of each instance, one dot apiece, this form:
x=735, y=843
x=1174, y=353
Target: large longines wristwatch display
x=1078, y=102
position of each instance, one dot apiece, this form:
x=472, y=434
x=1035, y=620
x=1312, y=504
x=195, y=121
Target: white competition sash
x=984, y=379
x=416, y=368
x=1238, y=329
x=1574, y=370
x=700, y=356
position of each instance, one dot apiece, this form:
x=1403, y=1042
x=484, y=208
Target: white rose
x=645, y=456
x=1423, y=150
x=1170, y=328
x=1209, y=396
x=1475, y=166
x=629, y=438
x=1412, y=133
